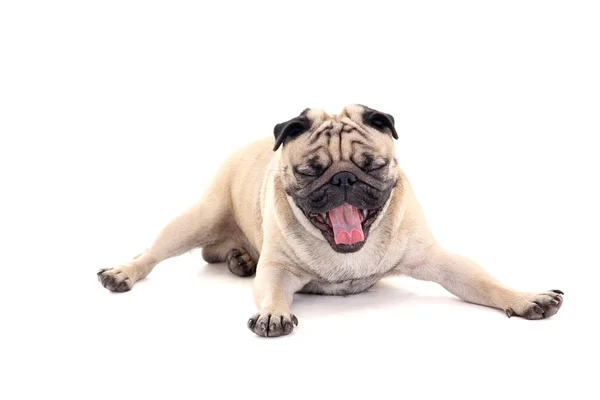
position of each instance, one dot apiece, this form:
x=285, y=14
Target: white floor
x=181, y=334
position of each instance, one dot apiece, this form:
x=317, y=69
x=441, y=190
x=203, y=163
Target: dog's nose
x=343, y=179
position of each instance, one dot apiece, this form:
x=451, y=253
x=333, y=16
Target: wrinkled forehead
x=349, y=118
x=312, y=123
x=335, y=137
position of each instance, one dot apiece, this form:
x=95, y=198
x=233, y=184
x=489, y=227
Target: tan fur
x=247, y=208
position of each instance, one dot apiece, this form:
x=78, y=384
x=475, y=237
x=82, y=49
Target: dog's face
x=339, y=170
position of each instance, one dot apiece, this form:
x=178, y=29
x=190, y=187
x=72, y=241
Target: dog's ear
x=291, y=128
x=380, y=121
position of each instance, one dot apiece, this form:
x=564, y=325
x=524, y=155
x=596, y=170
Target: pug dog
x=323, y=207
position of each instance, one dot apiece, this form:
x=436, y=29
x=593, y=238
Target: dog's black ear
x=291, y=128
x=380, y=121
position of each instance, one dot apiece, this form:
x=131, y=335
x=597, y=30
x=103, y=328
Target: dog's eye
x=305, y=174
x=309, y=170
x=371, y=164
x=378, y=164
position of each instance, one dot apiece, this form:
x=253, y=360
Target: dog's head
x=339, y=170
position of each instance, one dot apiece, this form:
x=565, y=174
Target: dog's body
x=331, y=212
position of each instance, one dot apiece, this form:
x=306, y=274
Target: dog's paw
x=240, y=263
x=538, y=306
x=115, y=280
x=271, y=325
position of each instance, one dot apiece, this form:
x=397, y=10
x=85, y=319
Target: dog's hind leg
x=199, y=226
x=239, y=261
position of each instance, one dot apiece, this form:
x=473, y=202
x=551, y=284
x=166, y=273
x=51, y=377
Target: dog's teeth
x=365, y=212
x=324, y=216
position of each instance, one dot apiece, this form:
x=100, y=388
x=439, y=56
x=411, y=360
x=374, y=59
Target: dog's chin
x=322, y=222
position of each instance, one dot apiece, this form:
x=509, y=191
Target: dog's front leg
x=469, y=281
x=274, y=288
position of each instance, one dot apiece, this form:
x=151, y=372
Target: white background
x=115, y=114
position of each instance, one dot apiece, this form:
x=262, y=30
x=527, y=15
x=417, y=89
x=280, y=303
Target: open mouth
x=345, y=227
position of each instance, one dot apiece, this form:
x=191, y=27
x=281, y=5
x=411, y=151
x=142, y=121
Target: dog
x=322, y=207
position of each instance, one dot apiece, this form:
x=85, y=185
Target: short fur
x=254, y=217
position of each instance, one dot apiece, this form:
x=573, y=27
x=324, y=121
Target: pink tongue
x=346, y=222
